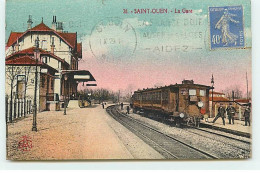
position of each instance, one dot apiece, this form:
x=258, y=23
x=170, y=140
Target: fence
x=17, y=108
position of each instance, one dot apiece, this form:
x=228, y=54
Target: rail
x=160, y=141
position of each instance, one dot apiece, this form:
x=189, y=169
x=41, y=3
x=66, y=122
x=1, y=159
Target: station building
x=220, y=98
x=50, y=53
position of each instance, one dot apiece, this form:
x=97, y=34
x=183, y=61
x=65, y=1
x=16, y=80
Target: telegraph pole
x=65, y=94
x=34, y=127
x=119, y=97
x=212, y=87
x=247, y=95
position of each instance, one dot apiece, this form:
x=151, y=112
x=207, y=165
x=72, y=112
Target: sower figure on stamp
x=231, y=111
x=224, y=25
x=221, y=113
x=247, y=115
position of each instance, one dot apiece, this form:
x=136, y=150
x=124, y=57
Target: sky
x=131, y=51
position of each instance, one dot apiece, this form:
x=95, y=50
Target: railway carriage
x=180, y=103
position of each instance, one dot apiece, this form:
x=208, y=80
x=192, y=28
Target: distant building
x=218, y=98
x=243, y=101
x=58, y=57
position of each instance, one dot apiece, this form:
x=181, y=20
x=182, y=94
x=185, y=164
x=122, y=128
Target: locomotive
x=180, y=103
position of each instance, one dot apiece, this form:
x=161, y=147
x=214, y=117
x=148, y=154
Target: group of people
x=231, y=111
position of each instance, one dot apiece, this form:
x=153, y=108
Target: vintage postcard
x=128, y=79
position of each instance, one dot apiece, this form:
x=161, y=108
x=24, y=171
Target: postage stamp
x=226, y=27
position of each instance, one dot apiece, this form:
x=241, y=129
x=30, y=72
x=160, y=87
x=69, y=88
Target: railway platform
x=238, y=128
x=83, y=133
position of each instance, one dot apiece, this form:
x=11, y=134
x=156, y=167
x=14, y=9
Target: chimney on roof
x=59, y=27
x=52, y=45
x=16, y=46
x=54, y=23
x=29, y=22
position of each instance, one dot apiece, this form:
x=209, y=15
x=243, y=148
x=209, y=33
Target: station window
x=21, y=86
x=165, y=95
x=52, y=83
x=42, y=81
x=44, y=59
x=44, y=44
x=158, y=95
x=192, y=92
x=202, y=92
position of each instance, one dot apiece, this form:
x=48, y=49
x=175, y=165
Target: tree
x=12, y=73
x=99, y=94
x=233, y=91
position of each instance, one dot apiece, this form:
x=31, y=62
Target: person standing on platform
x=231, y=111
x=103, y=105
x=127, y=109
x=122, y=105
x=221, y=113
x=247, y=115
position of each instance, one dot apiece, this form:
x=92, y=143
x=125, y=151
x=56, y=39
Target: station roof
x=79, y=75
x=31, y=50
x=214, y=92
x=69, y=38
x=41, y=27
x=242, y=100
x=218, y=99
x=26, y=60
x=13, y=37
x=79, y=49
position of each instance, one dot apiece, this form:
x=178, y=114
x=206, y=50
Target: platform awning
x=79, y=75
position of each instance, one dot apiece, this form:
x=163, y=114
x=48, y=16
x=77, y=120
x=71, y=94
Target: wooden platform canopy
x=78, y=75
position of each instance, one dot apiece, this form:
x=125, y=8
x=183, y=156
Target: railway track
x=231, y=141
x=205, y=133
x=168, y=146
x=215, y=134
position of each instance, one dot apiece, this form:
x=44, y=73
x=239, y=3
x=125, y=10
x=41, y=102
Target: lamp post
x=65, y=94
x=34, y=127
x=212, y=87
x=89, y=97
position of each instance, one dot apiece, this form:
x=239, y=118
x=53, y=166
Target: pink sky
x=132, y=76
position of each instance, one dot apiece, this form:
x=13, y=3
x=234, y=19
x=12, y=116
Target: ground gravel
x=213, y=144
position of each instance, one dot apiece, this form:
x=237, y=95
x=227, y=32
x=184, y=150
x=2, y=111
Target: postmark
x=113, y=39
x=226, y=27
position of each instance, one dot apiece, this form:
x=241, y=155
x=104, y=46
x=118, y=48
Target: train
x=184, y=103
